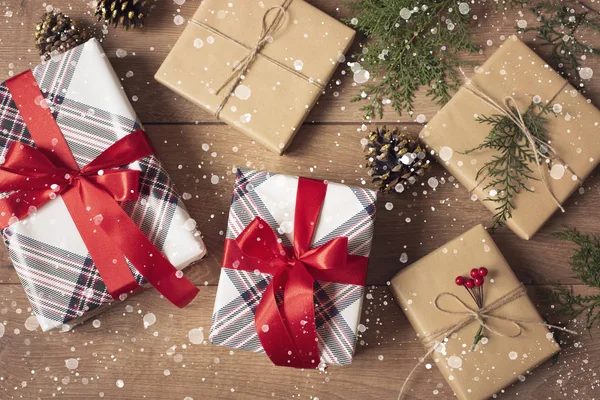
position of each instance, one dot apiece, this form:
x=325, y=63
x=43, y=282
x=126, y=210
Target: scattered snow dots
x=196, y=336
x=557, y=171
x=32, y=323
x=446, y=153
x=71, y=363
x=198, y=43
x=243, y=92
x=454, y=362
x=149, y=320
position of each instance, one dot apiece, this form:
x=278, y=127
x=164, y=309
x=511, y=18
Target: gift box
x=320, y=237
x=72, y=111
x=290, y=49
x=517, y=339
x=515, y=70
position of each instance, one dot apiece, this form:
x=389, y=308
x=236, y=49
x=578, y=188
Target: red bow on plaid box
x=286, y=327
x=33, y=176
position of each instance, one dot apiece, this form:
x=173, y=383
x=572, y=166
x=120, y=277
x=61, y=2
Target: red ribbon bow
x=37, y=175
x=288, y=331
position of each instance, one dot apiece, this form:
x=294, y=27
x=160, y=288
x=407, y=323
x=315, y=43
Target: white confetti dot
x=403, y=258
x=96, y=323
x=399, y=188
x=120, y=383
x=121, y=53
x=522, y=24
x=149, y=320
x=421, y=118
x=389, y=206
x=446, y=153
x=189, y=224
x=210, y=40
x=361, y=328
x=513, y=355
x=198, y=43
x=1, y=330
x=433, y=182
x=586, y=73
x=298, y=65
x=265, y=328
x=405, y=13
x=196, y=336
x=178, y=20
x=361, y=76
x=464, y=8
x=31, y=323
x=557, y=108
x=214, y=179
x=557, y=171
x=242, y=92
x=71, y=363
x=454, y=362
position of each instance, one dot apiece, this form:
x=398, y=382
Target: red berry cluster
x=474, y=285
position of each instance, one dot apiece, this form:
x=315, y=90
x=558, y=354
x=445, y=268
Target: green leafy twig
x=562, y=27
x=412, y=45
x=585, y=264
x=510, y=168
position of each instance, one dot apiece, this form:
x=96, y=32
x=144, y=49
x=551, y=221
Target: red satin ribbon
x=38, y=175
x=288, y=332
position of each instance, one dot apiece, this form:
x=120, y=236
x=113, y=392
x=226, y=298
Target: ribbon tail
x=271, y=327
x=109, y=261
x=139, y=250
x=21, y=204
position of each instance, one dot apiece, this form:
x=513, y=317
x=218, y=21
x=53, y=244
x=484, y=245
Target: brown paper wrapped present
x=499, y=359
x=515, y=70
x=289, y=48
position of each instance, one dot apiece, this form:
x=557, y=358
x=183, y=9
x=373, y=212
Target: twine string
x=511, y=110
x=470, y=315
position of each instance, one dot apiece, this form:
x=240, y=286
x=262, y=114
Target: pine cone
x=394, y=159
x=129, y=13
x=57, y=33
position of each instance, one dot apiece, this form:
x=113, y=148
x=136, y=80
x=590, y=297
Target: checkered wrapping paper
x=347, y=211
x=92, y=110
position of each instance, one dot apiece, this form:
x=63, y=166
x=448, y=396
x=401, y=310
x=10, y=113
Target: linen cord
x=266, y=36
x=515, y=115
x=479, y=315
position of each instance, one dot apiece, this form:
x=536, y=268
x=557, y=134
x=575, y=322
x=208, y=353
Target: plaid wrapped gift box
x=92, y=111
x=347, y=211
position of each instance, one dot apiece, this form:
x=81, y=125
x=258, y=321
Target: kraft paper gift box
x=495, y=363
x=92, y=111
x=284, y=80
x=347, y=212
x=515, y=70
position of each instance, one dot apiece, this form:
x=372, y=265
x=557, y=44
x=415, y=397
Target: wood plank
x=147, y=48
x=333, y=152
x=148, y=360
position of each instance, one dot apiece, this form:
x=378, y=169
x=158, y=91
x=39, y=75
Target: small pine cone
x=394, y=159
x=57, y=33
x=128, y=13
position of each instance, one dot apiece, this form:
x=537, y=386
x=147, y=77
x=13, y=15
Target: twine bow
x=266, y=35
x=470, y=315
x=512, y=111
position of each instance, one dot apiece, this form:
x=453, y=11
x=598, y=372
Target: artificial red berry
x=474, y=273
x=478, y=281
x=483, y=272
x=470, y=283
x=460, y=280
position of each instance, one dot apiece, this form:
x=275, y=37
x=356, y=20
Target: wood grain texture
x=32, y=363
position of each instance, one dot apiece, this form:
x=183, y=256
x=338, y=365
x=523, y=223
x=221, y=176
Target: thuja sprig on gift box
x=563, y=26
x=474, y=286
x=509, y=170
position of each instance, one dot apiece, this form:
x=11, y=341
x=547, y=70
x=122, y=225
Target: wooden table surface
x=159, y=362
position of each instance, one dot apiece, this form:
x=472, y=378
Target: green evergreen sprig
x=585, y=264
x=563, y=28
x=411, y=45
x=510, y=168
